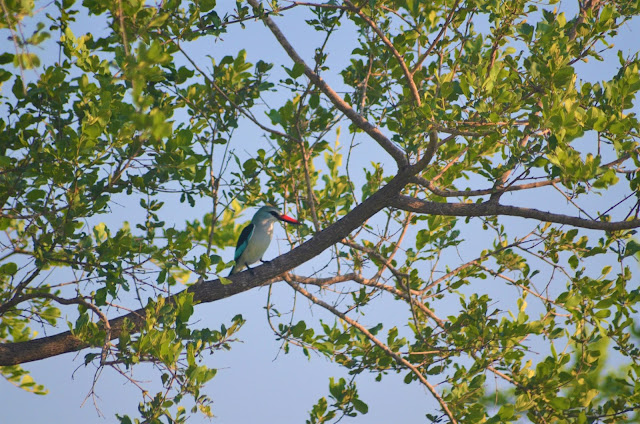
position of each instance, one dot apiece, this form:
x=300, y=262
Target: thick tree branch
x=359, y=121
x=412, y=204
x=210, y=291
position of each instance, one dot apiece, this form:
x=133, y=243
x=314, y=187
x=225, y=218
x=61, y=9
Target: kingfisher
x=256, y=237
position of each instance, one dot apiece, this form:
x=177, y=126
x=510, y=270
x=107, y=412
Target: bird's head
x=271, y=213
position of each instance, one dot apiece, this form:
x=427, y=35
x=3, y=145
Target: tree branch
x=482, y=192
x=426, y=54
x=407, y=74
x=429, y=184
x=412, y=204
x=381, y=345
x=210, y=291
x=359, y=121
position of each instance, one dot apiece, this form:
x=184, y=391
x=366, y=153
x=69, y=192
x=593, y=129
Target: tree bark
x=212, y=290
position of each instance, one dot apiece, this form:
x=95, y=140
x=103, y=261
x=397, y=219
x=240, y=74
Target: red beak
x=288, y=219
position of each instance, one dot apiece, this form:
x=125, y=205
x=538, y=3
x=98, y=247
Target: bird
x=256, y=237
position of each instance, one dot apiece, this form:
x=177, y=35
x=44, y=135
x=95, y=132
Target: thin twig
x=405, y=70
x=378, y=343
x=122, y=29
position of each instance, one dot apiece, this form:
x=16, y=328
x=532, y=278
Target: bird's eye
x=274, y=214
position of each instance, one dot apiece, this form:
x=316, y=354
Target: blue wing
x=243, y=240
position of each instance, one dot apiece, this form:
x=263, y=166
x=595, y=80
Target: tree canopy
x=453, y=160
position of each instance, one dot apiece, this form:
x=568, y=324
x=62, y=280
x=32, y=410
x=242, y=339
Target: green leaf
x=360, y=406
x=506, y=412
x=574, y=262
x=563, y=76
x=297, y=70
x=632, y=248
x=6, y=58
x=36, y=194
x=560, y=403
x=606, y=13
x=9, y=268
